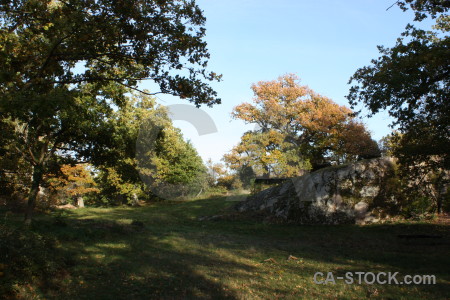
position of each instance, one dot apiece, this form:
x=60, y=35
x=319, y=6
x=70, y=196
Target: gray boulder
x=333, y=195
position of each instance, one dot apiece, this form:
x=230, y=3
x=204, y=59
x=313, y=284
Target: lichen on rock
x=333, y=195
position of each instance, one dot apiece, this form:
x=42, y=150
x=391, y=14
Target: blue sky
x=323, y=41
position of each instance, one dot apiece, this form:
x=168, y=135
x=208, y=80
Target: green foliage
x=176, y=161
x=419, y=205
x=423, y=176
x=14, y=170
x=387, y=144
x=446, y=201
x=178, y=170
x=425, y=8
x=147, y=146
x=116, y=41
x=416, y=188
x=67, y=65
x=411, y=80
x=118, y=176
x=216, y=190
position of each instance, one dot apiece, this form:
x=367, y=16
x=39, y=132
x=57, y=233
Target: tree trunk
x=440, y=197
x=441, y=190
x=201, y=190
x=135, y=200
x=80, y=202
x=439, y=205
x=38, y=172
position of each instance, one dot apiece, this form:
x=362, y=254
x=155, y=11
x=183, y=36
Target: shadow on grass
x=175, y=256
x=117, y=260
x=144, y=267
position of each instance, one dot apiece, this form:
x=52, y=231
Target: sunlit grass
x=176, y=256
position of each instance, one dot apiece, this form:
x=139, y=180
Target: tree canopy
x=411, y=81
x=49, y=44
x=296, y=129
x=67, y=65
x=424, y=8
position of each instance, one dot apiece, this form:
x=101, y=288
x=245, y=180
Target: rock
x=334, y=195
x=66, y=206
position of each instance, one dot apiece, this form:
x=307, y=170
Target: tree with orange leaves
x=75, y=182
x=297, y=129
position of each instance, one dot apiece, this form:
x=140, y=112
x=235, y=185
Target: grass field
x=176, y=256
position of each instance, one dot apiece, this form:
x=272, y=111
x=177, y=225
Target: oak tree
x=296, y=129
x=411, y=81
x=66, y=66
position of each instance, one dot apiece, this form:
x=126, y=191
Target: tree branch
x=392, y=5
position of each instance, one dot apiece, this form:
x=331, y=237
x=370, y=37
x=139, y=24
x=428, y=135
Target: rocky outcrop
x=334, y=195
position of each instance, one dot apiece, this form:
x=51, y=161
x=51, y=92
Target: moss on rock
x=329, y=195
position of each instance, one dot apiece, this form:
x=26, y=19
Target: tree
x=219, y=176
x=66, y=66
x=75, y=181
x=169, y=165
x=297, y=129
x=422, y=181
x=148, y=155
x=424, y=8
x=117, y=165
x=215, y=172
x=120, y=41
x=268, y=154
x=411, y=80
x=14, y=170
x=354, y=142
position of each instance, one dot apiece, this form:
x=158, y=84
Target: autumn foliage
x=74, y=181
x=296, y=129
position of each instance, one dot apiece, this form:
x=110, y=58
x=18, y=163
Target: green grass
x=175, y=256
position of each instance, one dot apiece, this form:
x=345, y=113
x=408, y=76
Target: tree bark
x=135, y=200
x=439, y=205
x=80, y=202
x=38, y=172
x=441, y=190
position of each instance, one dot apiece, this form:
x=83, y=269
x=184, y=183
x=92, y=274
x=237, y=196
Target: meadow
x=163, y=251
